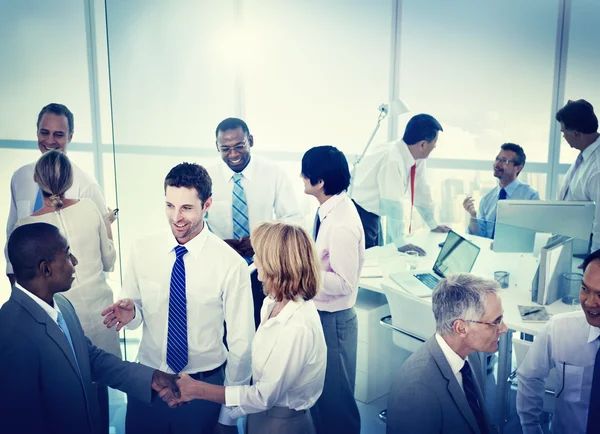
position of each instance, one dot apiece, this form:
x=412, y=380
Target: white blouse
x=289, y=357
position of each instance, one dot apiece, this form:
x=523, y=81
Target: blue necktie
x=239, y=208
x=39, y=201
x=177, y=338
x=470, y=389
x=501, y=196
x=63, y=326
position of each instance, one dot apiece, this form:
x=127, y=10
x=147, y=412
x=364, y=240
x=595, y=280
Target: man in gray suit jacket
x=437, y=390
x=48, y=364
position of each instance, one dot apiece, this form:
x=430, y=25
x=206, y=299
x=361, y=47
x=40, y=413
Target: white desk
x=521, y=267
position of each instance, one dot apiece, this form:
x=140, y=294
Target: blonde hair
x=290, y=268
x=54, y=175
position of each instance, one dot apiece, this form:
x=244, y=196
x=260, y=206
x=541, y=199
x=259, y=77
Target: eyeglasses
x=496, y=323
x=504, y=160
x=239, y=147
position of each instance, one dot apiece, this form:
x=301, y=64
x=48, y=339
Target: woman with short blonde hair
x=288, y=351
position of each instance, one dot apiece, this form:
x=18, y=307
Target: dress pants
x=336, y=410
x=198, y=416
x=280, y=420
x=372, y=227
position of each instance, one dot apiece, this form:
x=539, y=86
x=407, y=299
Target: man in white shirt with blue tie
x=569, y=345
x=55, y=127
x=508, y=165
x=247, y=190
x=579, y=126
x=184, y=286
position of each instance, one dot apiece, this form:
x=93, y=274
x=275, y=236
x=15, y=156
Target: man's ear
x=45, y=269
x=459, y=327
x=320, y=185
x=250, y=140
x=207, y=204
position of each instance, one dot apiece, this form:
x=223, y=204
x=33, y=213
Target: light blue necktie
x=39, y=201
x=177, y=337
x=239, y=209
x=63, y=326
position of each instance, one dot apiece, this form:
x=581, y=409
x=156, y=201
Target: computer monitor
x=517, y=222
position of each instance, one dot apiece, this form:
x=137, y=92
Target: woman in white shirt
x=90, y=239
x=288, y=352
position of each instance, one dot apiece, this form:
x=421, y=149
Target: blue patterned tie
x=63, y=326
x=177, y=338
x=239, y=209
x=470, y=388
x=39, y=201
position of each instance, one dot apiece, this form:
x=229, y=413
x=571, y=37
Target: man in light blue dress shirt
x=509, y=163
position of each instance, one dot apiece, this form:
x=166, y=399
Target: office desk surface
x=521, y=266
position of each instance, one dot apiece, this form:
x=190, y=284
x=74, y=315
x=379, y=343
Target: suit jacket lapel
x=52, y=329
x=453, y=387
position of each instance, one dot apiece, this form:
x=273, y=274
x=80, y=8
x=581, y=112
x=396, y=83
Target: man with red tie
x=392, y=173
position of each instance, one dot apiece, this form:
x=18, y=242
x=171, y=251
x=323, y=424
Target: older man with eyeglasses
x=247, y=190
x=570, y=345
x=507, y=167
x=438, y=389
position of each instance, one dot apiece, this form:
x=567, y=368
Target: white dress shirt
x=269, y=196
x=217, y=291
x=382, y=185
x=52, y=311
x=569, y=345
x=454, y=360
x=24, y=191
x=585, y=185
x=289, y=356
x=341, y=249
x=84, y=228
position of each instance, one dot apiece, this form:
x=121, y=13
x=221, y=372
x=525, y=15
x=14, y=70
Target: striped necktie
x=470, y=388
x=239, y=209
x=317, y=225
x=177, y=338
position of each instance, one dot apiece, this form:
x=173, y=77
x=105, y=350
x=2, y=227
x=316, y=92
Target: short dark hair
x=590, y=258
x=232, y=124
x=421, y=127
x=29, y=246
x=329, y=164
x=59, y=110
x=190, y=175
x=578, y=116
x=521, y=157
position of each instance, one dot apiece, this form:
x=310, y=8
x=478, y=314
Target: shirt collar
x=330, y=204
x=510, y=188
x=247, y=173
x=285, y=314
x=590, y=149
x=407, y=158
x=52, y=311
x=454, y=360
x=193, y=246
x=594, y=334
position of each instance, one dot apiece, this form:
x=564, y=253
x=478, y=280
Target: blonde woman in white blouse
x=288, y=352
x=90, y=239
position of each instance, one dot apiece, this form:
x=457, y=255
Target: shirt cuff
x=232, y=396
x=224, y=417
x=136, y=321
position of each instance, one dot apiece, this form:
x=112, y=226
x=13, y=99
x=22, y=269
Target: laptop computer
x=457, y=255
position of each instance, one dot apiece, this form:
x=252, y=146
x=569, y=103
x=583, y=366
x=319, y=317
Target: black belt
x=206, y=374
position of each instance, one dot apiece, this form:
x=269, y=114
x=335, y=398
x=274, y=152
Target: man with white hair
x=437, y=390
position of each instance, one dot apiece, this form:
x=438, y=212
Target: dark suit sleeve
x=21, y=409
x=132, y=378
x=413, y=409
